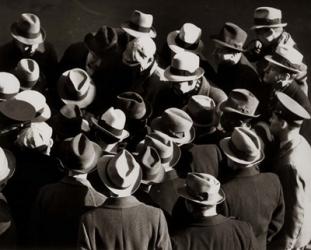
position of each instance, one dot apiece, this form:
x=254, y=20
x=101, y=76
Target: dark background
x=67, y=21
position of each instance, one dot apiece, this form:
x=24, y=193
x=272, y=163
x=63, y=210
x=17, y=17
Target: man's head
x=139, y=53
x=27, y=33
x=229, y=44
x=268, y=24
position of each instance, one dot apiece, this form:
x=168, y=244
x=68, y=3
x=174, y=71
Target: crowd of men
x=119, y=144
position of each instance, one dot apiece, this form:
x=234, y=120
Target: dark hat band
x=6, y=96
x=139, y=28
x=26, y=34
x=239, y=153
x=185, y=45
x=282, y=60
x=28, y=84
x=203, y=196
x=106, y=126
x=180, y=72
x=264, y=21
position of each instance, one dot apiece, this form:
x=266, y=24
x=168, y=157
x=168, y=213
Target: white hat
x=9, y=85
x=185, y=66
x=188, y=38
x=267, y=17
x=36, y=136
x=28, y=72
x=286, y=57
x=7, y=164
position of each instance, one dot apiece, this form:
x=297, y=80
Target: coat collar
x=122, y=202
x=210, y=221
x=245, y=172
x=76, y=181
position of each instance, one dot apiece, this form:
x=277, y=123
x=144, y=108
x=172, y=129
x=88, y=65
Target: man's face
x=27, y=50
x=268, y=35
x=275, y=124
x=272, y=74
x=225, y=55
x=185, y=87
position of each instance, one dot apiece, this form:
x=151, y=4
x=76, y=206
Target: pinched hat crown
x=267, y=17
x=141, y=20
x=185, y=63
x=189, y=35
x=114, y=118
x=132, y=104
x=28, y=72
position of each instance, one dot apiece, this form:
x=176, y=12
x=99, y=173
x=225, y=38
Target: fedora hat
x=112, y=122
x=168, y=151
x=103, y=40
x=140, y=24
x=243, y=147
x=69, y=121
x=202, y=110
x=38, y=101
x=28, y=73
x=76, y=87
x=290, y=109
x=133, y=105
x=202, y=188
x=286, y=57
x=79, y=154
x=231, y=36
x=185, y=66
x=36, y=136
x=7, y=164
x=188, y=38
x=150, y=163
x=177, y=124
x=241, y=101
x=267, y=17
x=9, y=86
x=120, y=173
x=27, y=29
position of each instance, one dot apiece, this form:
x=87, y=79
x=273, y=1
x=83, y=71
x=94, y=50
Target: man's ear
x=284, y=124
x=51, y=143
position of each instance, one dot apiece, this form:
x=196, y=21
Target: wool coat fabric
x=58, y=210
x=124, y=223
x=215, y=232
x=256, y=198
x=292, y=165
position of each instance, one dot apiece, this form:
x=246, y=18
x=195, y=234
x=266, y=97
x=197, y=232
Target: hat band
x=180, y=72
x=28, y=84
x=265, y=21
x=72, y=93
x=243, y=108
x=39, y=112
x=106, y=126
x=26, y=34
x=185, y=45
x=139, y=28
x=243, y=155
x=282, y=60
x=6, y=96
x=203, y=196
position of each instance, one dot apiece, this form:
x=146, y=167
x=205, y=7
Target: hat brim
x=229, y=109
x=11, y=166
x=157, y=124
x=102, y=172
x=219, y=199
x=83, y=103
x=177, y=78
x=228, y=45
x=92, y=163
x=126, y=27
x=176, y=49
x=44, y=116
x=224, y=145
x=28, y=41
x=280, y=25
x=269, y=59
x=125, y=134
x=18, y=110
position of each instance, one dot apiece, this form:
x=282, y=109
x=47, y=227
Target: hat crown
x=201, y=102
x=177, y=122
x=232, y=35
x=243, y=101
x=186, y=61
x=291, y=54
x=115, y=118
x=9, y=84
x=141, y=19
x=190, y=33
x=123, y=170
x=268, y=13
x=32, y=97
x=132, y=104
x=150, y=161
x=246, y=141
x=29, y=23
x=7, y=166
x=27, y=70
x=78, y=81
x=161, y=142
x=106, y=37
